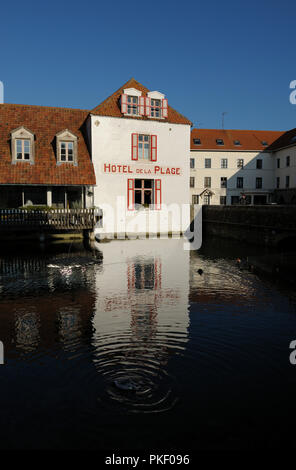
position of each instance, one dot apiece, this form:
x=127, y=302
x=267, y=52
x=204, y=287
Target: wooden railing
x=56, y=219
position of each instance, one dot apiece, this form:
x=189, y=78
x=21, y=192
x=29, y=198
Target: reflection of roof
x=207, y=192
x=44, y=122
x=111, y=106
x=248, y=140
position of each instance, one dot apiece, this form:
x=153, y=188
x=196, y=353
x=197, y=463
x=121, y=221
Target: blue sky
x=207, y=57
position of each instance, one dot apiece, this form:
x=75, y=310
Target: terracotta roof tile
x=249, y=140
x=45, y=123
x=111, y=106
x=285, y=140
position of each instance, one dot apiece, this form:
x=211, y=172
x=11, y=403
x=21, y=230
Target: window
x=239, y=182
x=263, y=142
x=240, y=163
x=208, y=163
x=236, y=142
x=224, y=163
x=234, y=200
x=288, y=161
x=22, y=145
x=278, y=182
x=278, y=162
x=192, y=181
x=287, y=181
x=155, y=108
x=192, y=163
x=223, y=182
x=219, y=141
x=223, y=200
x=66, y=147
x=66, y=151
x=144, y=147
x=196, y=141
x=132, y=105
x=258, y=183
x=143, y=193
x=259, y=164
x=23, y=149
x=207, y=182
x=195, y=199
x=207, y=199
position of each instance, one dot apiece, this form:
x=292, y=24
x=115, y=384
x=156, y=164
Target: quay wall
x=262, y=225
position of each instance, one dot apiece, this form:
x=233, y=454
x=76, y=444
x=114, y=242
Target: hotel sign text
x=141, y=170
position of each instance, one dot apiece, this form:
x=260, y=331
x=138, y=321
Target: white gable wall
x=111, y=144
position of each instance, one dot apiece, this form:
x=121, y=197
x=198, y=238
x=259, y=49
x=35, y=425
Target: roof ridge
x=45, y=107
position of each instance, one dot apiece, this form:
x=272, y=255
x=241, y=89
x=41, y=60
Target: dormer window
x=23, y=149
x=196, y=141
x=264, y=143
x=155, y=108
x=219, y=142
x=66, y=151
x=66, y=147
x=132, y=105
x=22, y=145
x=236, y=142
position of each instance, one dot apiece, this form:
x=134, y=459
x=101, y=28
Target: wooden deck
x=56, y=219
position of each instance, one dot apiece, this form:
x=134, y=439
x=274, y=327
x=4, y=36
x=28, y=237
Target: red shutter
x=157, y=202
x=124, y=103
x=130, y=194
x=165, y=108
x=148, y=106
x=153, y=148
x=142, y=105
x=135, y=138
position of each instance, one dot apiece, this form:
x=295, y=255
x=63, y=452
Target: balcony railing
x=55, y=219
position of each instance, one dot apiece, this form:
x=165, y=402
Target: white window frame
x=24, y=135
x=67, y=144
x=67, y=137
x=141, y=153
x=22, y=152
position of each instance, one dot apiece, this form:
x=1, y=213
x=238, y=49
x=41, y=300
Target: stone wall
x=262, y=225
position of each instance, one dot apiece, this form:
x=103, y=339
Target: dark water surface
x=124, y=345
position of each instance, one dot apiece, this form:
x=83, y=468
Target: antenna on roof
x=198, y=125
x=223, y=114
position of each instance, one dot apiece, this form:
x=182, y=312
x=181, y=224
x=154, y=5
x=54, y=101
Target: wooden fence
x=56, y=219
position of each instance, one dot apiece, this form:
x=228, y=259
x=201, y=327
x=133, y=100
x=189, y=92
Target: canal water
x=142, y=344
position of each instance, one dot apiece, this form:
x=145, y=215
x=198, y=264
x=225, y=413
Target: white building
x=231, y=166
x=140, y=148
x=284, y=154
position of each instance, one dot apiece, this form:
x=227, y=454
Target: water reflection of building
x=143, y=290
x=42, y=305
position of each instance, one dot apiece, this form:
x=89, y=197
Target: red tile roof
x=249, y=140
x=285, y=140
x=45, y=123
x=111, y=106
